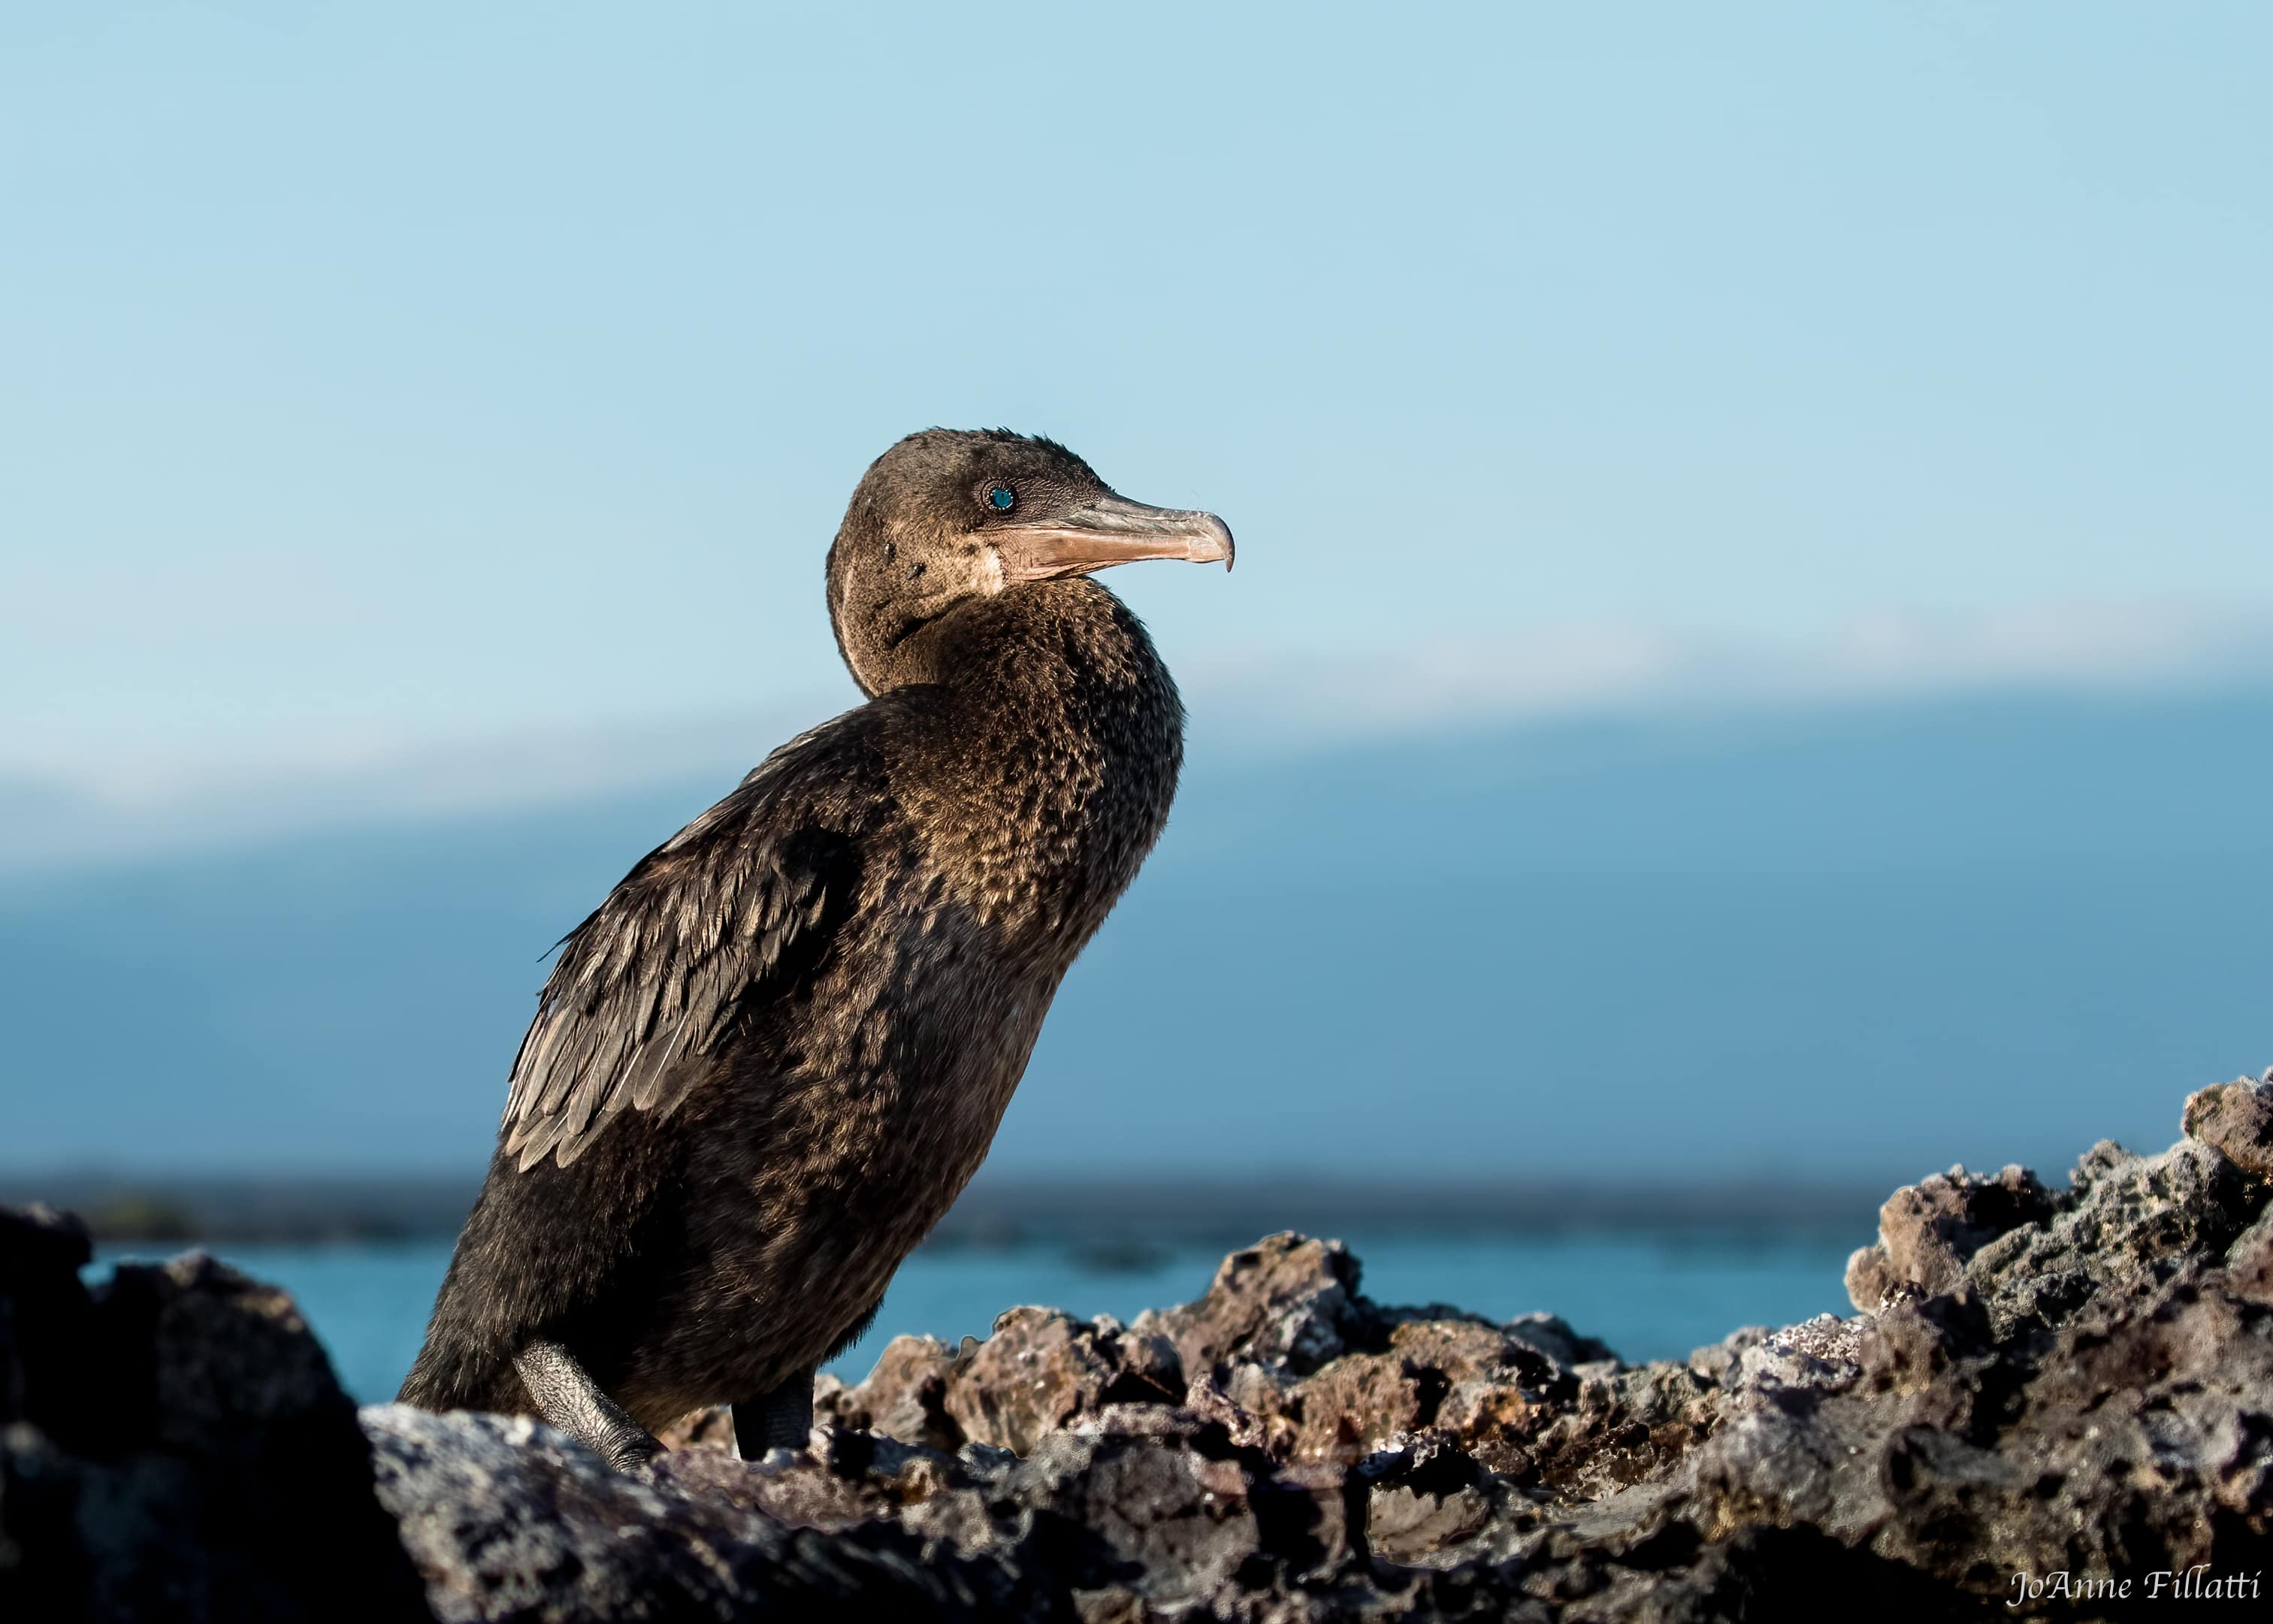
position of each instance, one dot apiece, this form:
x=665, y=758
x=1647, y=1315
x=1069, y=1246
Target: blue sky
x=404, y=378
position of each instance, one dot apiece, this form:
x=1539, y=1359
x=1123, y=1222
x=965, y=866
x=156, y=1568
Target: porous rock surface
x=2038, y=1380
x=173, y=1445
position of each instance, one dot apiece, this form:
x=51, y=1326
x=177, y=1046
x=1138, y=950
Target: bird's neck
x=1054, y=741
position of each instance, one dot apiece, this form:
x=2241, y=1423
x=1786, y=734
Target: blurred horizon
x=1250, y=710
x=1831, y=945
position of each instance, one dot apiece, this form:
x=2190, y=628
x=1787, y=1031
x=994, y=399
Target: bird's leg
x=782, y=1418
x=572, y=1402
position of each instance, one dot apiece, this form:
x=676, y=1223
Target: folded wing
x=650, y=992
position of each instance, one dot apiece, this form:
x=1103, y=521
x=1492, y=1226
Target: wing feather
x=646, y=992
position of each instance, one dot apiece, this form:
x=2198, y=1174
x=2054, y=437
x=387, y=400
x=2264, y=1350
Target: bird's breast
x=1043, y=824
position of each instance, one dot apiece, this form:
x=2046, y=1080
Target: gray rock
x=506, y=1519
x=1928, y=1232
x=2043, y=1381
x=2236, y=1119
x=172, y=1446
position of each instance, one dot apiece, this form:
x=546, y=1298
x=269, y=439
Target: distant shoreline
x=1002, y=1212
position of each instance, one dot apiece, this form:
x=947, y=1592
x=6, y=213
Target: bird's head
x=950, y=515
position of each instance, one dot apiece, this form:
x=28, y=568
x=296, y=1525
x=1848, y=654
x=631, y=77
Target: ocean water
x=1648, y=1296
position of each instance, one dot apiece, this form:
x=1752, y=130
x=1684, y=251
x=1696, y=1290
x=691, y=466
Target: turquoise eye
x=1003, y=498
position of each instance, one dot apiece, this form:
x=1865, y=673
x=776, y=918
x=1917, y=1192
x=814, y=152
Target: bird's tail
x=466, y=1361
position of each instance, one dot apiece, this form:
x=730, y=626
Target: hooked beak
x=1106, y=530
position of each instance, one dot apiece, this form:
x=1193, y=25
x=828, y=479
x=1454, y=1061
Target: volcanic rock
x=172, y=1446
x=2040, y=1383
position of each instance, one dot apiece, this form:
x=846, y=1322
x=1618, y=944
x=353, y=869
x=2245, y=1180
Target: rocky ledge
x=2047, y=1395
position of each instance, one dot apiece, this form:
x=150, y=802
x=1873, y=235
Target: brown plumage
x=766, y=1064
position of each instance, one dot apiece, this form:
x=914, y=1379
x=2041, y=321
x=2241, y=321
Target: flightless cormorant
x=763, y=1070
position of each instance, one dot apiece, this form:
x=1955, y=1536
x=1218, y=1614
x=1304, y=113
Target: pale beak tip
x=1224, y=550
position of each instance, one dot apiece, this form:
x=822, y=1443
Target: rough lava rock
x=2040, y=1383
x=172, y=1446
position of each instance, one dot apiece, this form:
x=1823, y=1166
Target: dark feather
x=646, y=988
x=764, y=1069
